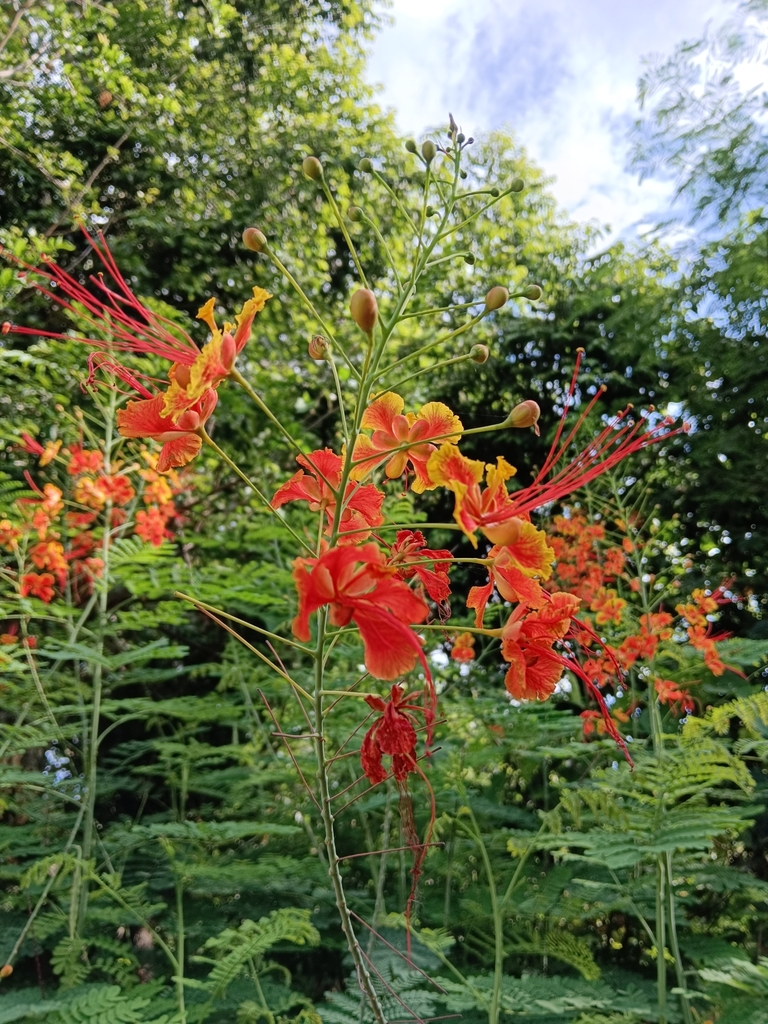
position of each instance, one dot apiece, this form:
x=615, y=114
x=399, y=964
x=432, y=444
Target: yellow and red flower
x=401, y=440
x=527, y=642
x=179, y=438
x=463, y=648
x=516, y=568
x=37, y=585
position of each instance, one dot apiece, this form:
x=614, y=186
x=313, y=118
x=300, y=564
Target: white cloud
x=561, y=75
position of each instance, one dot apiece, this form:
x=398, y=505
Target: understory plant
x=372, y=566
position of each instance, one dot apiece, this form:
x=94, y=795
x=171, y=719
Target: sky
x=561, y=74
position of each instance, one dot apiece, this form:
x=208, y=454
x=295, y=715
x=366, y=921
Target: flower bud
x=525, y=414
x=6, y=971
x=479, y=354
x=495, y=192
x=312, y=168
x=365, y=165
x=469, y=259
x=228, y=351
x=460, y=138
x=430, y=211
x=364, y=309
x=355, y=213
x=497, y=297
x=318, y=348
x=6, y=328
x=410, y=145
x=517, y=185
x=255, y=240
x=532, y=292
x=463, y=175
x=428, y=150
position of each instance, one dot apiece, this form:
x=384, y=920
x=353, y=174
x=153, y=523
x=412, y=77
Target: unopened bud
x=479, y=353
x=255, y=240
x=6, y=971
x=228, y=351
x=532, y=292
x=517, y=185
x=355, y=213
x=312, y=168
x=460, y=138
x=495, y=192
x=497, y=297
x=430, y=211
x=463, y=175
x=318, y=348
x=469, y=258
x=428, y=150
x=364, y=309
x=6, y=328
x=410, y=145
x=526, y=414
x=365, y=165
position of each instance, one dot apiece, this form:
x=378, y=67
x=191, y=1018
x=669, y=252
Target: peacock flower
x=179, y=438
x=515, y=568
x=607, y=606
x=411, y=556
x=46, y=453
x=360, y=587
x=82, y=460
x=463, y=649
x=527, y=642
x=394, y=734
x=49, y=554
x=401, y=440
x=37, y=585
x=9, y=534
x=318, y=483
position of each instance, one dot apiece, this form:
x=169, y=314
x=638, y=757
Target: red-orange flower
x=151, y=526
x=181, y=443
x=527, y=644
x=401, y=440
x=319, y=486
x=670, y=693
x=463, y=647
x=608, y=607
x=394, y=734
x=410, y=555
x=37, y=585
x=9, y=534
x=359, y=587
x=82, y=460
x=515, y=568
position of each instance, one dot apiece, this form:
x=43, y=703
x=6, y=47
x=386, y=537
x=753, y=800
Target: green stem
x=685, y=1005
x=661, y=941
x=179, y=886
x=498, y=924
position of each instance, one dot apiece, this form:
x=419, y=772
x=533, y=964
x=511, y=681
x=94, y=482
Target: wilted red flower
x=410, y=555
x=393, y=734
x=37, y=585
x=318, y=482
x=359, y=587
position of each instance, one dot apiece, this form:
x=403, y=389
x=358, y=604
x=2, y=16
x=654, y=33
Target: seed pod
x=364, y=309
x=255, y=240
x=532, y=292
x=497, y=297
x=428, y=150
x=365, y=165
x=318, y=348
x=517, y=185
x=525, y=414
x=479, y=353
x=410, y=145
x=355, y=213
x=312, y=168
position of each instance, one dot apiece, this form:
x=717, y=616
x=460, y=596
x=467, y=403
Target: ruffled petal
x=144, y=418
x=514, y=585
x=294, y=489
x=390, y=648
x=478, y=598
x=440, y=421
x=381, y=413
x=245, y=317
x=178, y=452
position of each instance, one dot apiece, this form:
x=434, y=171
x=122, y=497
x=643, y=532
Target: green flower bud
x=497, y=297
x=463, y=175
x=410, y=146
x=532, y=292
x=479, y=353
x=355, y=213
x=430, y=211
x=312, y=168
x=428, y=150
x=469, y=259
x=365, y=165
x=460, y=138
x=364, y=309
x=495, y=192
x=517, y=185
x=255, y=240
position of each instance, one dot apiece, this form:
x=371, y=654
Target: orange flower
x=463, y=647
x=359, y=587
x=181, y=443
x=400, y=440
x=527, y=644
x=45, y=454
x=608, y=607
x=49, y=555
x=9, y=534
x=118, y=488
x=515, y=568
x=319, y=487
x=83, y=461
x=151, y=526
x=91, y=493
x=670, y=693
x=38, y=585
